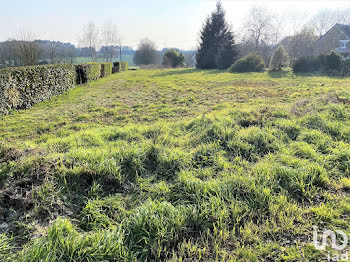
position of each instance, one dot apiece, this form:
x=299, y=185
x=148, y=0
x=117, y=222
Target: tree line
x=219, y=46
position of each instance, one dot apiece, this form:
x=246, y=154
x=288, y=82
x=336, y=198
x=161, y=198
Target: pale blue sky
x=167, y=22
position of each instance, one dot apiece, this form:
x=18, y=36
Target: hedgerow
x=88, y=72
x=106, y=69
x=22, y=87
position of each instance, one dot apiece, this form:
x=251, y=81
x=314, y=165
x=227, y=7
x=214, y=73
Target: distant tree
x=261, y=32
x=26, y=49
x=279, y=59
x=217, y=48
x=301, y=44
x=323, y=21
x=259, y=27
x=7, y=54
x=190, y=58
x=109, y=41
x=52, y=49
x=90, y=39
x=146, y=53
x=173, y=58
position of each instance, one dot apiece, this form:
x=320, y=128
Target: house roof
x=345, y=29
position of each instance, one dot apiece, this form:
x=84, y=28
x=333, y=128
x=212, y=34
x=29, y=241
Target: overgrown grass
x=177, y=165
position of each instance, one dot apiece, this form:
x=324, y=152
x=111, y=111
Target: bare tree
x=297, y=21
x=90, y=39
x=27, y=49
x=261, y=32
x=146, y=53
x=323, y=21
x=7, y=54
x=343, y=16
x=301, y=44
x=53, y=51
x=259, y=26
x=110, y=41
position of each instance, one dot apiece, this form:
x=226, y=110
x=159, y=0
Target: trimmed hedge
x=123, y=66
x=120, y=66
x=106, y=69
x=331, y=64
x=88, y=72
x=21, y=87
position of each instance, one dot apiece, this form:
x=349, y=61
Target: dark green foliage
x=22, y=87
x=217, y=46
x=300, y=65
x=329, y=64
x=333, y=61
x=228, y=52
x=172, y=58
x=250, y=63
x=310, y=64
x=345, y=69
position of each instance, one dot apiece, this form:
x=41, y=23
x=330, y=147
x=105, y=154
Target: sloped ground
x=177, y=164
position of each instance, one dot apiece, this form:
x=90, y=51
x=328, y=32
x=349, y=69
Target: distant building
x=337, y=38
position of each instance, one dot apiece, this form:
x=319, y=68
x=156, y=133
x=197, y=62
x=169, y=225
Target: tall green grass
x=177, y=165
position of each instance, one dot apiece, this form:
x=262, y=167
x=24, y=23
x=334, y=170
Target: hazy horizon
x=166, y=23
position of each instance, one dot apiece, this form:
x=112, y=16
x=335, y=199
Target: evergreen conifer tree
x=217, y=46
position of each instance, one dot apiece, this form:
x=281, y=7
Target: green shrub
x=300, y=65
x=345, y=68
x=333, y=61
x=22, y=87
x=172, y=58
x=310, y=64
x=250, y=63
x=279, y=59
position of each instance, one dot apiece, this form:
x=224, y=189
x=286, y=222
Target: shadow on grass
x=214, y=71
x=317, y=74
x=279, y=74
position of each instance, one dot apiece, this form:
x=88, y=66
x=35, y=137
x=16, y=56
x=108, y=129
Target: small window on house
x=343, y=45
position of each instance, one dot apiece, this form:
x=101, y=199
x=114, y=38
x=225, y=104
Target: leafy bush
x=333, y=61
x=172, y=58
x=250, y=63
x=345, y=69
x=22, y=87
x=279, y=59
x=321, y=63
x=300, y=65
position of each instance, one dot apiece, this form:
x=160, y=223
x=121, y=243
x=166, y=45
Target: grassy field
x=177, y=165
